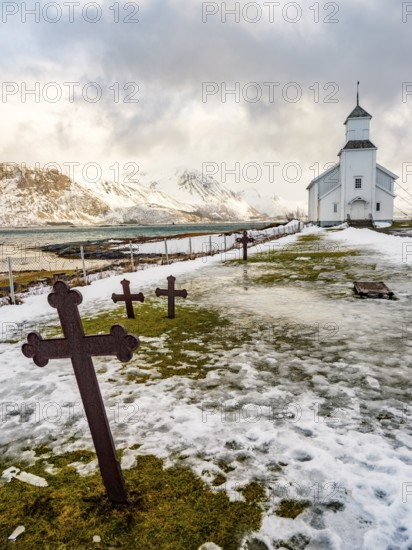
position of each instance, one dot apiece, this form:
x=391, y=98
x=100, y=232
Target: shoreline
x=143, y=239
x=112, y=258
x=61, y=237
x=69, y=226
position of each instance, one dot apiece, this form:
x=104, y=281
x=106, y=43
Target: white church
x=356, y=189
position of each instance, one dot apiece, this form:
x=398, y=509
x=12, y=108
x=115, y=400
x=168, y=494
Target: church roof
x=386, y=171
x=358, y=112
x=323, y=174
x=359, y=144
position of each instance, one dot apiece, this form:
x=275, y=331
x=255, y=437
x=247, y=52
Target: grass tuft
x=171, y=509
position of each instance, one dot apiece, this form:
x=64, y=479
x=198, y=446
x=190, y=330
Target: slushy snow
x=331, y=427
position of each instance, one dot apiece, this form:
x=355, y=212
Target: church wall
x=357, y=128
x=329, y=181
x=326, y=213
x=313, y=203
x=386, y=211
x=322, y=186
x=362, y=164
x=384, y=180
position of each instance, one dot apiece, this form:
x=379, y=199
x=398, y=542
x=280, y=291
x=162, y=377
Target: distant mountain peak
x=31, y=196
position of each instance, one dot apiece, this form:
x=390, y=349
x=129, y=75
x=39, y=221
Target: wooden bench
x=372, y=290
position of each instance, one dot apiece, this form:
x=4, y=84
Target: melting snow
x=328, y=423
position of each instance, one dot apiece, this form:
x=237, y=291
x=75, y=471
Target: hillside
x=39, y=197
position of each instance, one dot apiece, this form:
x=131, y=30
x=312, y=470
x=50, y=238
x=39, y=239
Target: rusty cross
x=128, y=298
x=171, y=293
x=245, y=240
x=80, y=349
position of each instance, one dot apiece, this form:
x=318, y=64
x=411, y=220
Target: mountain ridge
x=38, y=197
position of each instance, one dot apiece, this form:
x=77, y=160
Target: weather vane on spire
x=357, y=95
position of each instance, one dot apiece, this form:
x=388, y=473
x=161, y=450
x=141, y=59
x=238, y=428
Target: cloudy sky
x=164, y=70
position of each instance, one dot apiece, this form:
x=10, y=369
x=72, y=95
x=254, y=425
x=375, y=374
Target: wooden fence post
x=83, y=264
x=131, y=255
x=12, y=297
x=166, y=252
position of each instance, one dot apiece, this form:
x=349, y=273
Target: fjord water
x=60, y=235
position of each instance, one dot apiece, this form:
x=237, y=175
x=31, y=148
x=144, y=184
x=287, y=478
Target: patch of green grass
x=189, y=345
x=311, y=237
x=296, y=542
x=253, y=492
x=28, y=278
x=291, y=266
x=61, y=461
x=172, y=509
x=301, y=261
x=401, y=224
x=290, y=508
x=219, y=480
x=227, y=468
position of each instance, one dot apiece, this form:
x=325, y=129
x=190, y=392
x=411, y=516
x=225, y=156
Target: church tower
x=356, y=189
x=358, y=167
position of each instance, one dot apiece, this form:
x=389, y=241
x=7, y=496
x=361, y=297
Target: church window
x=335, y=207
x=358, y=183
x=378, y=207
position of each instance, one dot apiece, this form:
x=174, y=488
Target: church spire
x=358, y=111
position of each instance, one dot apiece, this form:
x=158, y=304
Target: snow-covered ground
x=203, y=244
x=327, y=422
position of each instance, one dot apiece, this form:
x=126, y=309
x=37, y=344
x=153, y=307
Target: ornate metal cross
x=80, y=349
x=171, y=293
x=245, y=240
x=128, y=298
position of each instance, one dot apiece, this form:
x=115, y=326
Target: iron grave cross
x=80, y=349
x=171, y=293
x=128, y=298
x=245, y=240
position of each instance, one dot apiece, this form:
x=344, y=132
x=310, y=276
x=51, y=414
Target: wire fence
x=34, y=267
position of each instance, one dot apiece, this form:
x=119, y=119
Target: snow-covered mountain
x=274, y=206
x=38, y=197
x=207, y=198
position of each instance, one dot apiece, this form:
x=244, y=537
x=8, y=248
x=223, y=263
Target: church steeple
x=358, y=127
x=356, y=188
x=358, y=111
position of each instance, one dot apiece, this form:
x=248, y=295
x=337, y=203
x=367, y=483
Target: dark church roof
x=358, y=112
x=359, y=144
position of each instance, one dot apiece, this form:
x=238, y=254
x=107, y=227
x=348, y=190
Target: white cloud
x=170, y=52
